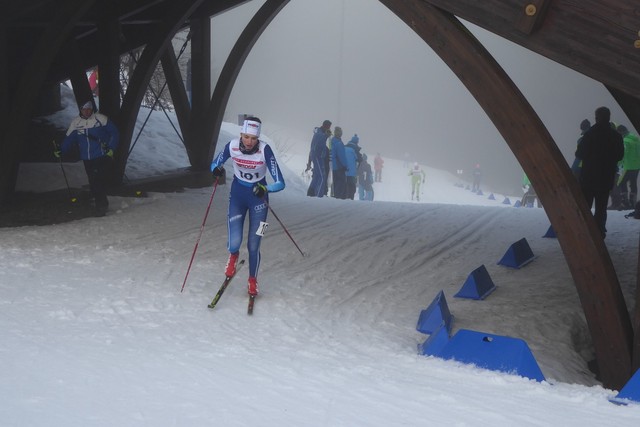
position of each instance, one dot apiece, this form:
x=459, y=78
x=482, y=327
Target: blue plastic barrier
x=494, y=352
x=434, y=316
x=551, y=233
x=435, y=343
x=630, y=392
x=506, y=201
x=491, y=197
x=517, y=204
x=478, y=285
x=518, y=255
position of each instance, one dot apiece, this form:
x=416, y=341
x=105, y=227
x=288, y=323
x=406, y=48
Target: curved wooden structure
x=46, y=41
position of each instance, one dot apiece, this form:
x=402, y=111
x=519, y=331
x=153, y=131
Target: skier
x=252, y=159
x=417, y=175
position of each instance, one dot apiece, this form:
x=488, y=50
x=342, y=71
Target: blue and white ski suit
x=248, y=169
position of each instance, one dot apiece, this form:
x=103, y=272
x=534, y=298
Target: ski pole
x=204, y=220
x=66, y=181
x=284, y=228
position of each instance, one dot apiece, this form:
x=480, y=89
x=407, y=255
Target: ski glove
x=217, y=172
x=109, y=153
x=57, y=153
x=259, y=190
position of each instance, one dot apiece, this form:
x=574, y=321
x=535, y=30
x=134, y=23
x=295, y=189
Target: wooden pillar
x=587, y=257
x=197, y=146
x=109, y=66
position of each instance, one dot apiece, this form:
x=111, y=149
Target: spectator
x=477, y=178
x=417, y=175
x=352, y=151
x=577, y=164
x=97, y=138
x=630, y=165
x=378, y=164
x=317, y=156
x=365, y=180
x=338, y=164
x=600, y=151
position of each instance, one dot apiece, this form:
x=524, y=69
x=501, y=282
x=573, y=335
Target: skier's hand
x=109, y=153
x=57, y=153
x=259, y=190
x=217, y=172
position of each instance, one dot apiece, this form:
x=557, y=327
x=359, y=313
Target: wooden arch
x=533, y=146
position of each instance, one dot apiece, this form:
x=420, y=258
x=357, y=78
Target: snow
x=95, y=330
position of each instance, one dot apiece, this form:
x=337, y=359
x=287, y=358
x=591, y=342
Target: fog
x=355, y=63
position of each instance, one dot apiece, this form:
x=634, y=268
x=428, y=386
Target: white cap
x=251, y=127
x=87, y=104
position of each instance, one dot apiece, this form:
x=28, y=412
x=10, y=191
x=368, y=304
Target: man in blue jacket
x=317, y=156
x=96, y=138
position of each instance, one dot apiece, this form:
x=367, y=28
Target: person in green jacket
x=628, y=179
x=417, y=175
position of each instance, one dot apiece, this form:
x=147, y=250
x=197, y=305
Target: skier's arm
x=274, y=170
x=221, y=157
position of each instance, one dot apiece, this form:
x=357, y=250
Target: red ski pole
x=204, y=220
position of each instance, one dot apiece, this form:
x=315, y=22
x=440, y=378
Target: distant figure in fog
x=378, y=164
x=477, y=178
x=417, y=176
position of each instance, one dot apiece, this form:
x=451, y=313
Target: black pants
x=98, y=174
x=599, y=198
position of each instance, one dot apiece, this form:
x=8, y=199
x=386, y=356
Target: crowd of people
x=340, y=169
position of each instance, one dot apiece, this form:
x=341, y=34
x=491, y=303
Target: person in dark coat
x=600, y=151
x=317, y=156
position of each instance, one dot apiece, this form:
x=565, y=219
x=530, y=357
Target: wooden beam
x=593, y=37
x=542, y=161
x=532, y=15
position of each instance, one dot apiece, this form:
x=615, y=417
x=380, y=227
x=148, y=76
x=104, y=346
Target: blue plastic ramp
x=478, y=285
x=518, y=255
x=630, y=392
x=434, y=316
x=493, y=352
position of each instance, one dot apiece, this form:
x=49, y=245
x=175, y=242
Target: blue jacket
x=338, y=157
x=94, y=136
x=318, y=150
x=352, y=160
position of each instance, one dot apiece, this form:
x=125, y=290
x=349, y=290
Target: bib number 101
x=249, y=176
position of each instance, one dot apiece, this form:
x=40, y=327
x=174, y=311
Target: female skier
x=252, y=159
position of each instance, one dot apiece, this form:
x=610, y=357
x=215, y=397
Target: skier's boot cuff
x=230, y=270
x=253, y=286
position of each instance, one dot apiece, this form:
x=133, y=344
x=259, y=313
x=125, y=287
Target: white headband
x=251, y=127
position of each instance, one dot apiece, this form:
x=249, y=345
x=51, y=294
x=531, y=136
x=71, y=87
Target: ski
x=252, y=299
x=224, y=285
